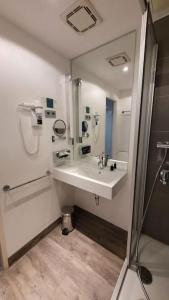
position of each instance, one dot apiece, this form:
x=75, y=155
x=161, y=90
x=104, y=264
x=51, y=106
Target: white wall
x=29, y=71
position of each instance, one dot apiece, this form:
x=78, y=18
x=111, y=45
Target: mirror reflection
x=103, y=82
x=59, y=128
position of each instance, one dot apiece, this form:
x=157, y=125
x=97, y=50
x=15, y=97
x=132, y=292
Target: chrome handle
x=164, y=176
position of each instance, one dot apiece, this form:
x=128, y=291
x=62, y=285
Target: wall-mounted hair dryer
x=95, y=119
x=36, y=112
x=36, y=118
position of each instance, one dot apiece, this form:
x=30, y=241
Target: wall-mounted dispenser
x=85, y=129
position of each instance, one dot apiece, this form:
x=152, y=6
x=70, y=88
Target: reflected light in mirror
x=125, y=69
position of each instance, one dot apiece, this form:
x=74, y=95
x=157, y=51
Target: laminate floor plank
x=92, y=254
x=72, y=267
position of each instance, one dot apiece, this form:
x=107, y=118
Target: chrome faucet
x=106, y=158
x=102, y=160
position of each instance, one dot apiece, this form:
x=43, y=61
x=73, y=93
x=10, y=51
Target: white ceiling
x=159, y=4
x=41, y=18
x=159, y=8
x=95, y=62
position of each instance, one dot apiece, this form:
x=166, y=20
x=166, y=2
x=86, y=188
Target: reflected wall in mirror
x=102, y=85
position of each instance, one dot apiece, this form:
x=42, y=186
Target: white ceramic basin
x=86, y=175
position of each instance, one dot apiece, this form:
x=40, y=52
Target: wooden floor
x=61, y=267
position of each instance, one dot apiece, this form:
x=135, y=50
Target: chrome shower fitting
x=164, y=176
x=164, y=173
x=164, y=145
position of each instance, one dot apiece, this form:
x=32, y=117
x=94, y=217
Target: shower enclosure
x=149, y=244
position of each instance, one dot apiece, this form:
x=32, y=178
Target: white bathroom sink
x=86, y=175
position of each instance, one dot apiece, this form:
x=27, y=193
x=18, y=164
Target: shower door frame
x=143, y=143
x=139, y=129
x=137, y=94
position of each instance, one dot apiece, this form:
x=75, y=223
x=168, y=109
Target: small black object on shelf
x=111, y=168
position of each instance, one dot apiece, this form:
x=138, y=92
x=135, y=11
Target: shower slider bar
x=7, y=188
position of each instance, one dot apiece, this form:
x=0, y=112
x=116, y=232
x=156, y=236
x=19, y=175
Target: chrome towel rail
x=7, y=188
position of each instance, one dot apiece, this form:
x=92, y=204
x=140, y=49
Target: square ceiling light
x=118, y=60
x=81, y=16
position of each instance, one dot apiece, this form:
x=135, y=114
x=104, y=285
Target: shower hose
x=141, y=226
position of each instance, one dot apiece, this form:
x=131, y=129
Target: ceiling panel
x=159, y=8
x=160, y=4
x=41, y=18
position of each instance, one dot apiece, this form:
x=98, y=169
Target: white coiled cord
x=29, y=152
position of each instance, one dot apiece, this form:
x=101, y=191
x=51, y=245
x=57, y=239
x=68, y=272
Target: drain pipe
x=97, y=200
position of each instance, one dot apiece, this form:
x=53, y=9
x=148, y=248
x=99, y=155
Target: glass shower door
x=150, y=57
x=138, y=241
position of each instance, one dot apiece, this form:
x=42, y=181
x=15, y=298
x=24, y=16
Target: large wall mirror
x=102, y=89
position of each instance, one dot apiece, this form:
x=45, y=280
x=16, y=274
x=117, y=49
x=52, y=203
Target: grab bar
x=7, y=188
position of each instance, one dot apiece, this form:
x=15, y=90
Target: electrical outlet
x=50, y=114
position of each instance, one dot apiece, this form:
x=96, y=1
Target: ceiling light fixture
x=118, y=59
x=81, y=16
